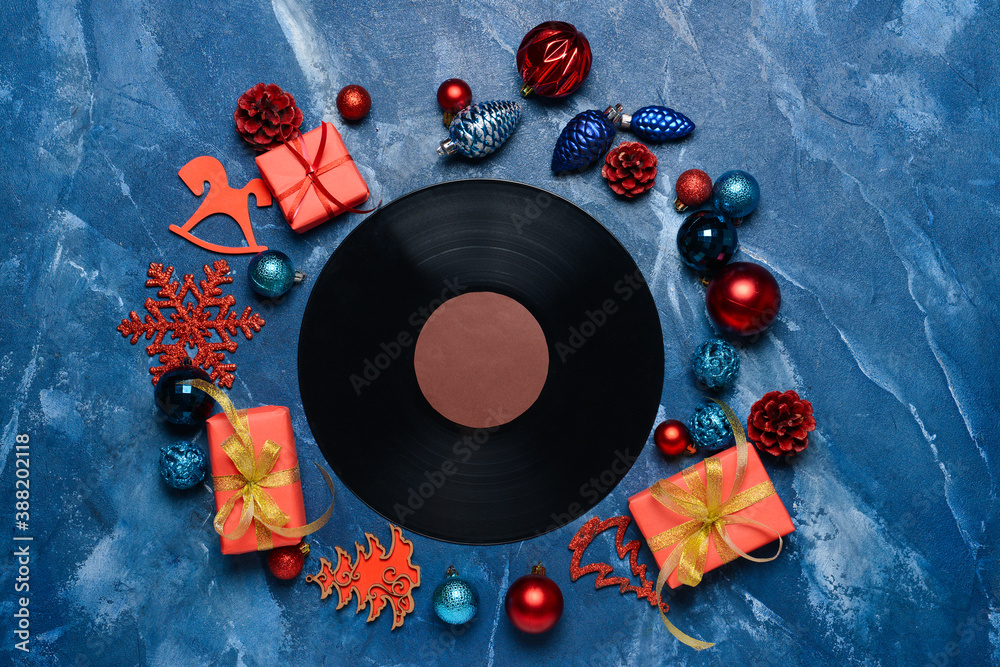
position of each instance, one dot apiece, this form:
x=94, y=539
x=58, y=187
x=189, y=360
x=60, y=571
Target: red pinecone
x=630, y=169
x=265, y=115
x=779, y=423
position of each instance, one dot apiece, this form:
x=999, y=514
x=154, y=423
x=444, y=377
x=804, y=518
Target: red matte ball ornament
x=534, y=602
x=553, y=59
x=694, y=188
x=353, y=102
x=743, y=299
x=672, y=438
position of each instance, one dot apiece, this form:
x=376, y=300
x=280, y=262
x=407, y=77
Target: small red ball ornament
x=534, y=602
x=286, y=562
x=454, y=95
x=553, y=59
x=694, y=188
x=743, y=299
x=672, y=438
x=353, y=102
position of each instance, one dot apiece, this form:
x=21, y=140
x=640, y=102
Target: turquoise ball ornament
x=736, y=194
x=479, y=129
x=272, y=274
x=710, y=428
x=455, y=600
x=716, y=364
x=182, y=465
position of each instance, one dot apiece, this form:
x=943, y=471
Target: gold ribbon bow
x=255, y=475
x=708, y=514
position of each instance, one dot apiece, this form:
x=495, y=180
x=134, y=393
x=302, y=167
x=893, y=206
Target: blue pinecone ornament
x=585, y=139
x=480, y=129
x=656, y=123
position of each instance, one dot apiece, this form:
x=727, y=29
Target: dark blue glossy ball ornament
x=716, y=364
x=656, y=124
x=182, y=465
x=455, y=601
x=180, y=403
x=709, y=427
x=585, y=139
x=271, y=273
x=707, y=241
x=735, y=194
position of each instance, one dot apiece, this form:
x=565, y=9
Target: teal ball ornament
x=455, y=600
x=272, y=274
x=182, y=465
x=716, y=364
x=710, y=428
x=736, y=194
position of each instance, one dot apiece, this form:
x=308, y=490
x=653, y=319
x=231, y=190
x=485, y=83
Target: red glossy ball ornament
x=553, y=59
x=353, y=102
x=672, y=438
x=286, y=562
x=743, y=299
x=454, y=95
x=534, y=602
x=694, y=188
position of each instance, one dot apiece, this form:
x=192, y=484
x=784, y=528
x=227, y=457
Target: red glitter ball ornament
x=353, y=102
x=286, y=562
x=694, y=188
x=743, y=299
x=553, y=59
x=672, y=438
x=779, y=423
x=534, y=603
x=266, y=116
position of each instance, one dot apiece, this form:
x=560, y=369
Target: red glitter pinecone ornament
x=265, y=115
x=630, y=169
x=779, y=423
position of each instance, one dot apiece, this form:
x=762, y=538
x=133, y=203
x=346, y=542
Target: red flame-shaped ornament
x=553, y=59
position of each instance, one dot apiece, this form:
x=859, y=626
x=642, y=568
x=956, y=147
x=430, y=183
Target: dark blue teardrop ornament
x=585, y=139
x=656, y=123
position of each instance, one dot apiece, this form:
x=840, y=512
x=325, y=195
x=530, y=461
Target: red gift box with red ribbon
x=313, y=177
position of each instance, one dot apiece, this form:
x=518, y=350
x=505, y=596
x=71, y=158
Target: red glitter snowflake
x=191, y=326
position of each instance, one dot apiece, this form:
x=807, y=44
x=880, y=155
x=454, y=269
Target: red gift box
x=654, y=519
x=313, y=178
x=269, y=426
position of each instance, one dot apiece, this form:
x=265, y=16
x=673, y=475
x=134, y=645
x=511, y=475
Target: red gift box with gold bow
x=313, y=177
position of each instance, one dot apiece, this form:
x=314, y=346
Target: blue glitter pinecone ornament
x=716, y=364
x=656, y=124
x=455, y=601
x=480, y=129
x=585, y=139
x=709, y=427
x=182, y=465
x=735, y=194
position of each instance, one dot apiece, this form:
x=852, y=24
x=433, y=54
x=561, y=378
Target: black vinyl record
x=489, y=485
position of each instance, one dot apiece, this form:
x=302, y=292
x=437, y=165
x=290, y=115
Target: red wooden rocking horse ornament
x=221, y=199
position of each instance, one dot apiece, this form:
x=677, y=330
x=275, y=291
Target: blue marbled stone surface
x=872, y=130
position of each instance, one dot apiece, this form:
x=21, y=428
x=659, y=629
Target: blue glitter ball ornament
x=735, y=194
x=709, y=427
x=707, y=241
x=455, y=601
x=271, y=273
x=656, y=124
x=180, y=403
x=182, y=465
x=585, y=139
x=480, y=129
x=716, y=364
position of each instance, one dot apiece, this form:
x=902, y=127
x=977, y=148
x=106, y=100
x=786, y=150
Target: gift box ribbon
x=709, y=514
x=255, y=475
x=311, y=180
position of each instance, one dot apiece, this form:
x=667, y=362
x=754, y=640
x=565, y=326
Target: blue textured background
x=872, y=129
